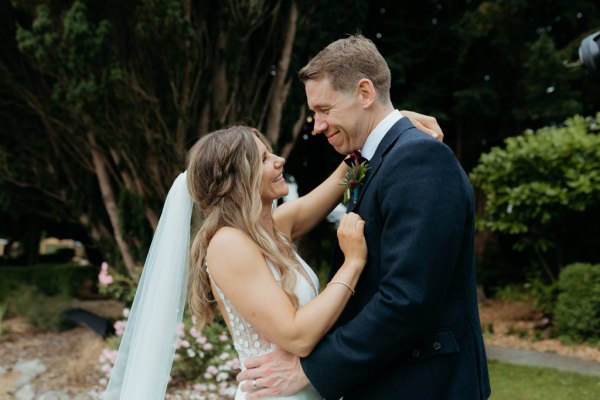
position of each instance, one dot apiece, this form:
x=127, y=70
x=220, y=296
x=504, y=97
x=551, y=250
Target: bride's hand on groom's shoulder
x=277, y=373
x=425, y=123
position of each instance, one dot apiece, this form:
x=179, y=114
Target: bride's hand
x=352, y=241
x=425, y=123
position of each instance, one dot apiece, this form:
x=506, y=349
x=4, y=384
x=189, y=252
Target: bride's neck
x=266, y=220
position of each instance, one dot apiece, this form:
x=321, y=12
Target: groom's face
x=338, y=115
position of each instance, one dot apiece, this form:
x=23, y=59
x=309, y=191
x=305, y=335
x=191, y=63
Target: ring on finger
x=254, y=386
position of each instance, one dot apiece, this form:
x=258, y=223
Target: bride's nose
x=279, y=162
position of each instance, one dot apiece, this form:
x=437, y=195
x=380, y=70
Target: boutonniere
x=357, y=169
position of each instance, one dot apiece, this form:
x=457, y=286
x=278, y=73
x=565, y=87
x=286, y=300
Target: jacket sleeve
x=420, y=200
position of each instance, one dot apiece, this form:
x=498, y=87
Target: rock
x=91, y=395
x=28, y=370
x=26, y=392
x=52, y=395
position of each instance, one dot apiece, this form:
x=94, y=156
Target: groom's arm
x=423, y=207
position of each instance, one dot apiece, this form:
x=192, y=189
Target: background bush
x=49, y=279
x=577, y=314
x=42, y=311
x=542, y=189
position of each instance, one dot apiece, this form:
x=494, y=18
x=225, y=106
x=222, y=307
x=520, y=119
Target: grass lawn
x=517, y=382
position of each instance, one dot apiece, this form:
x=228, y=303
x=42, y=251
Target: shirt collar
x=377, y=134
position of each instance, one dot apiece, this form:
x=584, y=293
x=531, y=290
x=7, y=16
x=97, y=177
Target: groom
x=412, y=330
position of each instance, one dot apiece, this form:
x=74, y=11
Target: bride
x=243, y=253
x=241, y=263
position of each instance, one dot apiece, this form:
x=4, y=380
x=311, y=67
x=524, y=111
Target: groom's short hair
x=346, y=61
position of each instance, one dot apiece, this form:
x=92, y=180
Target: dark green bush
x=42, y=311
x=577, y=313
x=50, y=279
x=543, y=190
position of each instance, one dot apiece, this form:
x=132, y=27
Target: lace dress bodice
x=249, y=342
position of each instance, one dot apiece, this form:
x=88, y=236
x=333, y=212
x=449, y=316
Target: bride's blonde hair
x=224, y=173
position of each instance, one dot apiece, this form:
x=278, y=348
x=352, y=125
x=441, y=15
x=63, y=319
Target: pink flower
x=212, y=370
x=195, y=332
x=120, y=327
x=223, y=338
x=103, y=277
x=110, y=355
x=207, y=346
x=200, y=387
x=236, y=363
x=201, y=340
x=180, y=329
x=185, y=344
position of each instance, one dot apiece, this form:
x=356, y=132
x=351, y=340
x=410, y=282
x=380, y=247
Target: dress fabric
x=248, y=342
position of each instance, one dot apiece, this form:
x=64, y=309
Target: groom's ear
x=366, y=92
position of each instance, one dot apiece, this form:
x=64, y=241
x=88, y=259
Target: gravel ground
x=514, y=325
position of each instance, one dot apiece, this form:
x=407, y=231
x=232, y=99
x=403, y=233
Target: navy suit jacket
x=412, y=330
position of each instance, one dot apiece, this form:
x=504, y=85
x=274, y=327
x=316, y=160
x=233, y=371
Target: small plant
x=206, y=358
x=3, y=330
x=43, y=312
x=577, y=313
x=513, y=292
x=116, y=285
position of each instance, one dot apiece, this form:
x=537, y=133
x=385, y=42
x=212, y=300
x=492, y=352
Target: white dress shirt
x=377, y=134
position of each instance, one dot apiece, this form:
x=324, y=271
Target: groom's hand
x=278, y=373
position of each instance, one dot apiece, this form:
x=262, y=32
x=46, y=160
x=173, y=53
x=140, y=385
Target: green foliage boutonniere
x=357, y=169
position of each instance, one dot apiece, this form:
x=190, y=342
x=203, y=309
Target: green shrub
x=50, y=279
x=3, y=330
x=577, y=313
x=42, y=311
x=543, y=189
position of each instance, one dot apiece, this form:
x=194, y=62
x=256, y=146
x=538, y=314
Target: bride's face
x=273, y=184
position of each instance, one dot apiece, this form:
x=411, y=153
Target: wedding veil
x=145, y=357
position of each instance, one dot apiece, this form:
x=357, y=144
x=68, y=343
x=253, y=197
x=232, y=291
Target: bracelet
x=342, y=283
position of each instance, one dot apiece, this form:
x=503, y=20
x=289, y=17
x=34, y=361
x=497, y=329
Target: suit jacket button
x=415, y=353
x=437, y=345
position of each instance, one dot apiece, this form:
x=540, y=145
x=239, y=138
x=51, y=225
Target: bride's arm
x=298, y=217
x=248, y=283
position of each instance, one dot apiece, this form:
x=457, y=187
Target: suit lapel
x=375, y=162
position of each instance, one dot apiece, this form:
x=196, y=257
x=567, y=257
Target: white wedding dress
x=249, y=342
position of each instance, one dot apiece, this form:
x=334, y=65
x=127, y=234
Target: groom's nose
x=320, y=125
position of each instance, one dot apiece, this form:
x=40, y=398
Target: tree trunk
x=110, y=203
x=280, y=88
